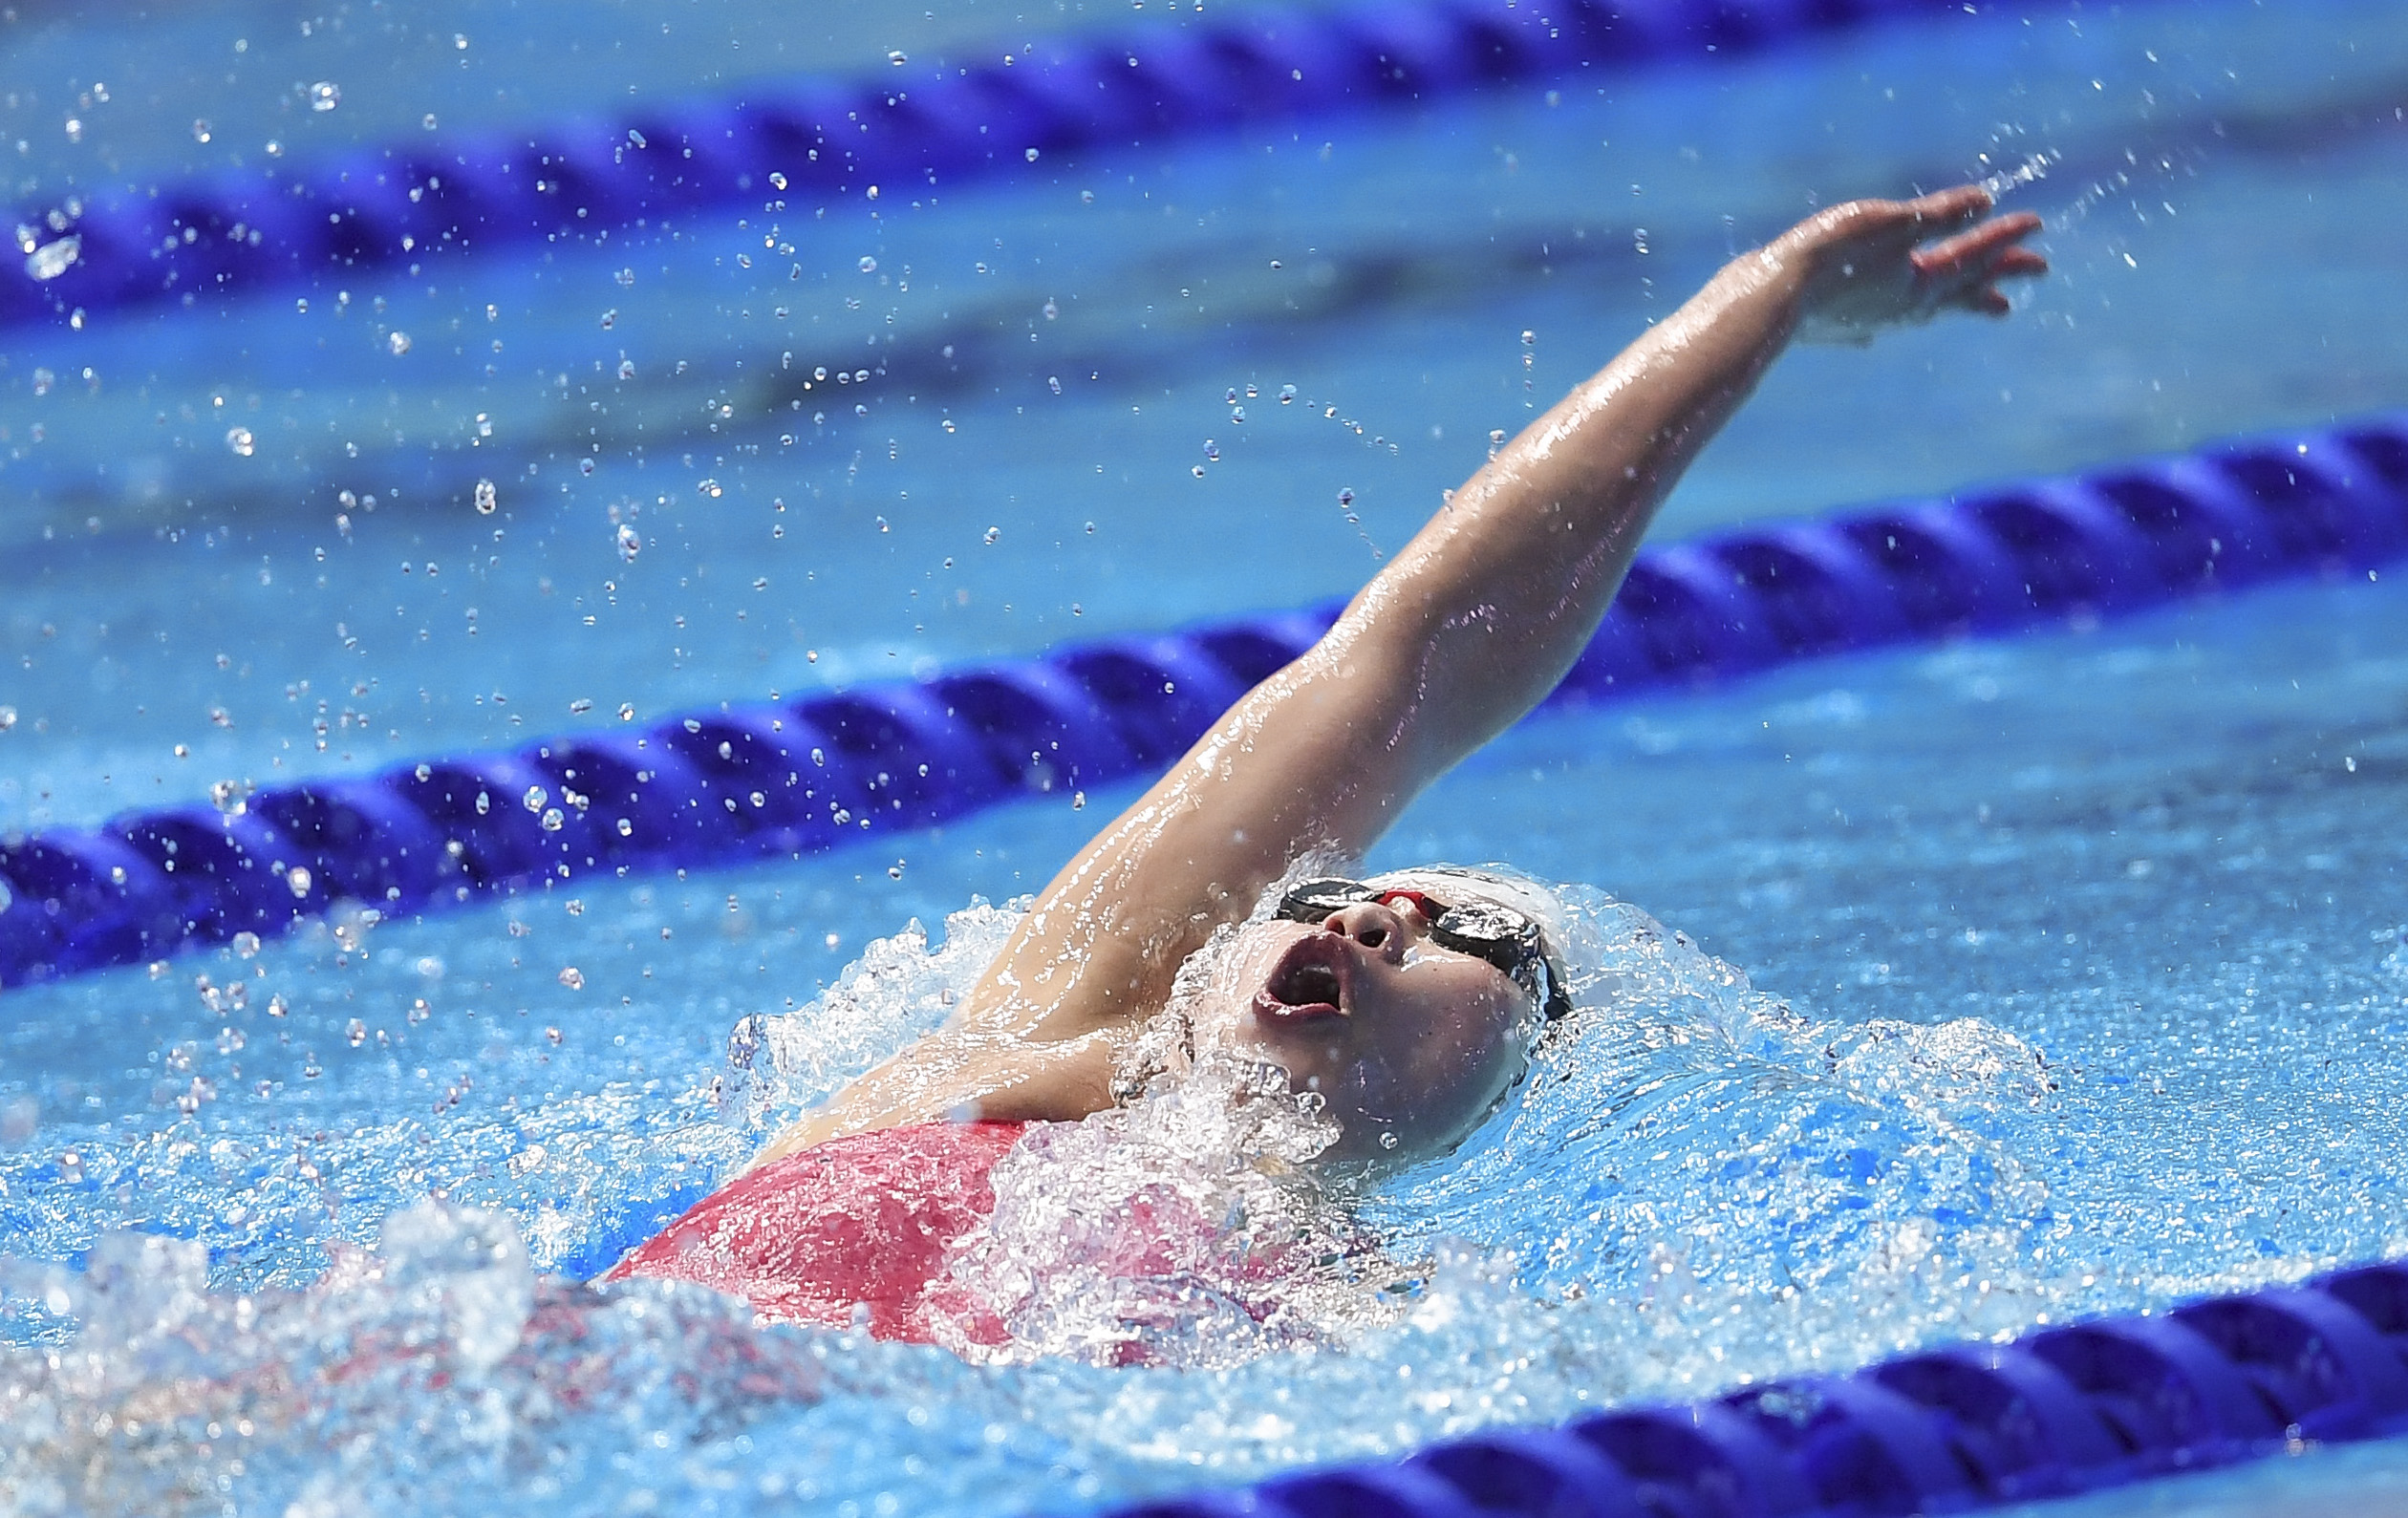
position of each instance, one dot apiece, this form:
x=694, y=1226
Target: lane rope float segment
x=2059, y=1411
x=766, y=780
x=814, y=138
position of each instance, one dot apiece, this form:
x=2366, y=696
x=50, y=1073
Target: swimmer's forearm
x=1501, y=592
x=1485, y=610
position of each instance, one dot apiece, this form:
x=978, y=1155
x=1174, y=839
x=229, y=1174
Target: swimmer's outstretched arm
x=1471, y=625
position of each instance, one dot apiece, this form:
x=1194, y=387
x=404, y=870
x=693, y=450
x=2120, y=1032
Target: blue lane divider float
x=812, y=139
x=766, y=780
x=2059, y=1411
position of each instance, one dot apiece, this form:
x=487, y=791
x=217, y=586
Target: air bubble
x=325, y=95
x=241, y=441
x=574, y=979
x=397, y=342
x=869, y=264
x=487, y=498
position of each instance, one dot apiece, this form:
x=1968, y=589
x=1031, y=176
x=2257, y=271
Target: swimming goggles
x=1486, y=931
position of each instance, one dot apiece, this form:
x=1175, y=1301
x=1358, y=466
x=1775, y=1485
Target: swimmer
x=1408, y=1002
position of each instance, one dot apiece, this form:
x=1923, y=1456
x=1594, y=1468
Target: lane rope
x=804, y=776
x=815, y=138
x=2059, y=1411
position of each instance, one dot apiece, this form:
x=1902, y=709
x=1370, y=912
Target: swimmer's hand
x=1873, y=264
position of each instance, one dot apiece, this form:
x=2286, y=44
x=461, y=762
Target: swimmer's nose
x=1374, y=924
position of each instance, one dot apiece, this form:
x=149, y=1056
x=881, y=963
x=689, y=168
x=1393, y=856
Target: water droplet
x=487, y=498
x=992, y=533
x=297, y=879
x=1032, y=155
x=574, y=979
x=427, y=120
x=627, y=711
x=1212, y=450
x=1387, y=1140
x=1345, y=496
x=778, y=181
x=1287, y=395
x=1078, y=800
x=585, y=466
x=895, y=56
x=553, y=819
x=52, y=258
x=200, y=130
x=869, y=264
x=247, y=945
x=357, y=1032
x=325, y=95
x=238, y=439
x=398, y=342
x=626, y=829
x=629, y=542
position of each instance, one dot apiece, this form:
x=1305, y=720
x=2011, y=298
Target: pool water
x=1996, y=984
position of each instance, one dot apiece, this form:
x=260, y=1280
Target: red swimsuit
x=854, y=1231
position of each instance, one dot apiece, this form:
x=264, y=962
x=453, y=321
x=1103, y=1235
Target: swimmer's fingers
x=1942, y=209
x=1876, y=263
x=1964, y=271
x=1979, y=250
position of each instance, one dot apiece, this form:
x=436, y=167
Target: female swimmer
x=1408, y=1002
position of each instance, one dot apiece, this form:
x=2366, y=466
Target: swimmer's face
x=1407, y=1041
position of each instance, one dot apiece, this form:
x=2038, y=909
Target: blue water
x=2016, y=981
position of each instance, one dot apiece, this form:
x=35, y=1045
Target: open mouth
x=1308, y=982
